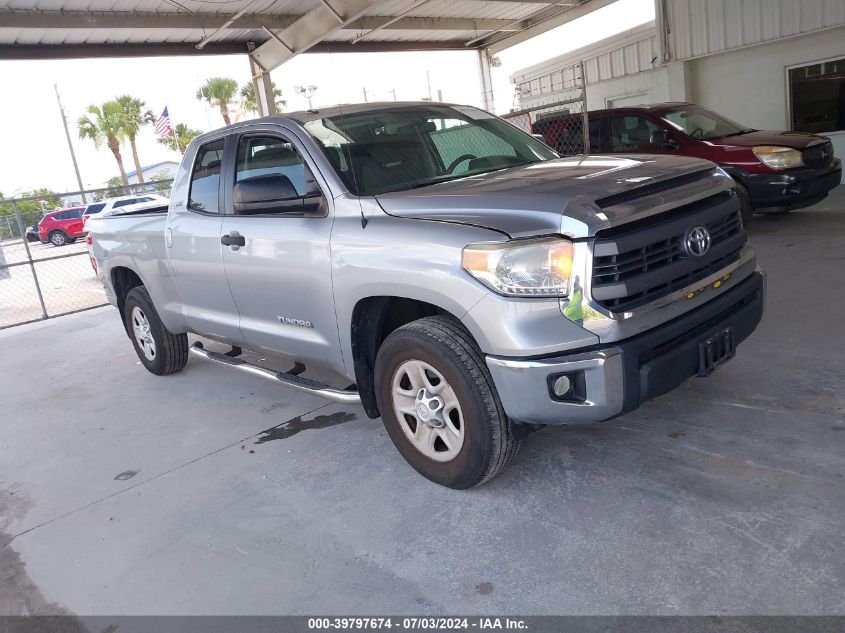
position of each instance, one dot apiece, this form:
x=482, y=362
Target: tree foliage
x=181, y=137
x=30, y=210
x=218, y=92
x=248, y=95
x=115, y=188
x=135, y=115
x=105, y=125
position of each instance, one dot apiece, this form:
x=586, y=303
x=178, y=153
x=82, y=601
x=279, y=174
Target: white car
x=110, y=206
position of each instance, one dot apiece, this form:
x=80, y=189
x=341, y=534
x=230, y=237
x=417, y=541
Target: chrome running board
x=295, y=382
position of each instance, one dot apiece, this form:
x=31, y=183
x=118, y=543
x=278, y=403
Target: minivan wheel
x=439, y=405
x=160, y=351
x=58, y=238
x=746, y=209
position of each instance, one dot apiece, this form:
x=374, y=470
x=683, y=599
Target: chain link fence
x=39, y=280
x=562, y=122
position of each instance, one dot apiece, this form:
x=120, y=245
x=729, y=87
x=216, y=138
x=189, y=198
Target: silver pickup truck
x=472, y=284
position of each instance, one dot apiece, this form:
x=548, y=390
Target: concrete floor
x=124, y=493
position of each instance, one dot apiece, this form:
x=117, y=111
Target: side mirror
x=662, y=138
x=269, y=193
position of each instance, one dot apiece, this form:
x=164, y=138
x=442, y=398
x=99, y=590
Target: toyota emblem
x=698, y=241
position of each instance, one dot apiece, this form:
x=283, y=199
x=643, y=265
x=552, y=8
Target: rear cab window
x=204, y=194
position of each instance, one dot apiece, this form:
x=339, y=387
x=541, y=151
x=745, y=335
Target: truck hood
x=797, y=140
x=556, y=196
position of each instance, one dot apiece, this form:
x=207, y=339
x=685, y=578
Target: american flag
x=163, y=126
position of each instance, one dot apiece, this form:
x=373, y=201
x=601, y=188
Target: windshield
x=699, y=123
x=414, y=146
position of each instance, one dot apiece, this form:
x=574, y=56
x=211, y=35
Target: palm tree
x=182, y=135
x=135, y=116
x=219, y=92
x=105, y=125
x=248, y=95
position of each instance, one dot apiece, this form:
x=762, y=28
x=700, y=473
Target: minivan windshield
x=701, y=123
x=407, y=147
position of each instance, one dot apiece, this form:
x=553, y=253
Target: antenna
x=364, y=220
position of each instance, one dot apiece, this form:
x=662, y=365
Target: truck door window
x=261, y=156
x=275, y=161
x=631, y=134
x=205, y=180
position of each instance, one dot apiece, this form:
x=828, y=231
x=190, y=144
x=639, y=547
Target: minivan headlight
x=523, y=268
x=778, y=157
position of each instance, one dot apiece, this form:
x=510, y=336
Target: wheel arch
x=123, y=279
x=373, y=320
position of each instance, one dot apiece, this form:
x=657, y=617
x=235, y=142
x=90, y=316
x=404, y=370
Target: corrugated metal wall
x=553, y=79
x=703, y=27
x=626, y=59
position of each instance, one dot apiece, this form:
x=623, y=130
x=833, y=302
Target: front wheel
x=159, y=350
x=439, y=405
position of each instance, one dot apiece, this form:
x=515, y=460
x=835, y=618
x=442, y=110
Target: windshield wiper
x=437, y=181
x=739, y=133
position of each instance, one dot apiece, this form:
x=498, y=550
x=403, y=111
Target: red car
x=774, y=171
x=61, y=227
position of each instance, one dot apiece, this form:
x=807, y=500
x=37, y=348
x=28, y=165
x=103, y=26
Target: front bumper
x=783, y=191
x=613, y=379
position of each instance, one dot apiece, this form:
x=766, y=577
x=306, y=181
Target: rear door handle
x=234, y=239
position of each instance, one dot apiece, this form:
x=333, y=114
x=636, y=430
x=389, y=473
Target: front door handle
x=234, y=239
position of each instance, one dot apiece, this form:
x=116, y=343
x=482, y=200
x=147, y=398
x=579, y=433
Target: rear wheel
x=746, y=209
x=439, y=404
x=58, y=238
x=160, y=351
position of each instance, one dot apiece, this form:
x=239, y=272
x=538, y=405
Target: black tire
x=171, y=350
x=57, y=238
x=746, y=205
x=442, y=342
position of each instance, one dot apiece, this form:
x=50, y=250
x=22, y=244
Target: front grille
x=818, y=155
x=635, y=265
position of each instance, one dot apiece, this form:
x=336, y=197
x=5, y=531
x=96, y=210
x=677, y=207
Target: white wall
x=750, y=85
x=646, y=87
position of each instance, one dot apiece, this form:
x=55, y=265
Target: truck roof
x=303, y=116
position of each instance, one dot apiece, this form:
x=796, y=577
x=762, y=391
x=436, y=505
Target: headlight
x=527, y=268
x=779, y=157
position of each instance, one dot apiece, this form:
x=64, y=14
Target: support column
x=262, y=85
x=486, y=80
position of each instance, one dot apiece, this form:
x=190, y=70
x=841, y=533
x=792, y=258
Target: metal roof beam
x=540, y=22
x=418, y=23
x=82, y=51
x=308, y=30
x=138, y=20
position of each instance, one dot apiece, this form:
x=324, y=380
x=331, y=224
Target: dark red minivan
x=774, y=171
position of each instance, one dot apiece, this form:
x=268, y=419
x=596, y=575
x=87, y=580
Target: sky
x=33, y=149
